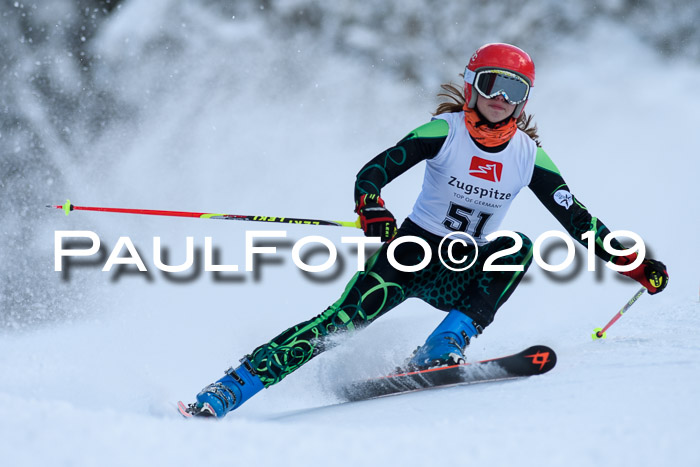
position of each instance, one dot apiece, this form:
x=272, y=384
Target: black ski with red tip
x=532, y=361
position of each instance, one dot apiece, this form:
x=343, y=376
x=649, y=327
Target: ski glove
x=375, y=219
x=651, y=273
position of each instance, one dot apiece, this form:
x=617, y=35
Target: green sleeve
x=422, y=143
x=553, y=192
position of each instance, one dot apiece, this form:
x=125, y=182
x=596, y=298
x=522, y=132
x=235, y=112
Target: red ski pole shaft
x=67, y=207
x=599, y=333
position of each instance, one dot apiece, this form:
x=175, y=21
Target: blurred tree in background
x=59, y=93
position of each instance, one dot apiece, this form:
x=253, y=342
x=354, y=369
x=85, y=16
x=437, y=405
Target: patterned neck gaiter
x=487, y=133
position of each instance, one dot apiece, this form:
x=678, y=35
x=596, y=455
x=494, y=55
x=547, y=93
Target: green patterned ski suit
x=380, y=287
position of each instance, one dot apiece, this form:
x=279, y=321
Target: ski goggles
x=491, y=83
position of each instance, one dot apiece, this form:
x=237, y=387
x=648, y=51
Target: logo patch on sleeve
x=485, y=169
x=564, y=198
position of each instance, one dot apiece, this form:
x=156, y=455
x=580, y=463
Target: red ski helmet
x=499, y=57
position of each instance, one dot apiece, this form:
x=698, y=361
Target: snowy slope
x=100, y=389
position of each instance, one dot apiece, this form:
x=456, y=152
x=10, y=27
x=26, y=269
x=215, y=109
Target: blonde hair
x=456, y=104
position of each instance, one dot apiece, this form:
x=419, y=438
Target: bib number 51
x=459, y=219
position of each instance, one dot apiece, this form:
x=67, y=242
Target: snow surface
x=101, y=389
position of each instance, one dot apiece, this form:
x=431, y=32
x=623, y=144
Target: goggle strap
x=469, y=76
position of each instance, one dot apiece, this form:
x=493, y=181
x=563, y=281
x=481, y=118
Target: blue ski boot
x=446, y=344
x=228, y=393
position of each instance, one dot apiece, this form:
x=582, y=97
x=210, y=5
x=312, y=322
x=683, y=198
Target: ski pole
x=599, y=333
x=67, y=207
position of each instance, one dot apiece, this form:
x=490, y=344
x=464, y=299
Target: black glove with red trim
x=651, y=273
x=375, y=219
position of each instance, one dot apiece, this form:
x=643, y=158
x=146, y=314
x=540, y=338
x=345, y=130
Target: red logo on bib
x=486, y=169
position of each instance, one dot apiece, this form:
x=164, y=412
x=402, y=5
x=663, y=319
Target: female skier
x=480, y=151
